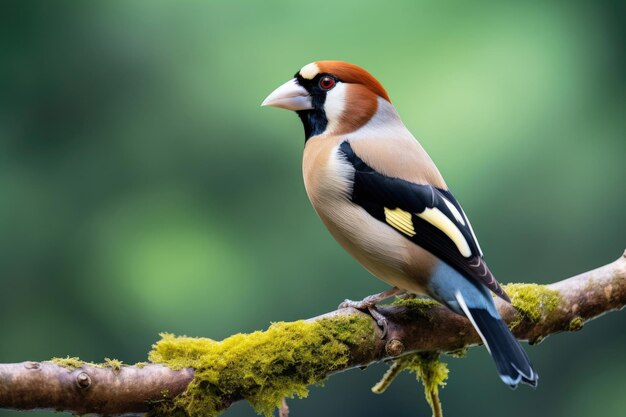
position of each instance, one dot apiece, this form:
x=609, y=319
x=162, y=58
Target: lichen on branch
x=428, y=369
x=532, y=301
x=261, y=367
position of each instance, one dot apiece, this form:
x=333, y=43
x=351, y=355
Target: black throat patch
x=314, y=121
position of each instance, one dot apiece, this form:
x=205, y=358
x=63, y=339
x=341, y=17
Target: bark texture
x=88, y=389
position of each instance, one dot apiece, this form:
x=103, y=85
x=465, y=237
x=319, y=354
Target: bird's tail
x=510, y=358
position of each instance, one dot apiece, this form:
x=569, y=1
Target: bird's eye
x=326, y=83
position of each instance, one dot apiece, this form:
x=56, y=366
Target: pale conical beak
x=290, y=96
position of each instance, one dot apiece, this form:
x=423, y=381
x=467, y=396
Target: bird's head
x=330, y=97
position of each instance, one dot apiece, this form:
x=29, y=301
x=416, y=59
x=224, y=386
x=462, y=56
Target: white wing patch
x=461, y=217
x=480, y=251
x=435, y=217
x=455, y=212
x=400, y=220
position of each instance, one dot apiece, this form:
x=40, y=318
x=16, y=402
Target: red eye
x=326, y=83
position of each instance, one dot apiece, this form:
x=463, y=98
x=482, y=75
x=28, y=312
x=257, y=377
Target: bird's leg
x=369, y=304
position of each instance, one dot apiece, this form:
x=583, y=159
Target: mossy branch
x=203, y=377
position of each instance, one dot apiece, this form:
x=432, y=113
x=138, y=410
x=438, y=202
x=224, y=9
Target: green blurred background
x=143, y=189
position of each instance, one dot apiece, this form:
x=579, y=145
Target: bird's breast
x=328, y=178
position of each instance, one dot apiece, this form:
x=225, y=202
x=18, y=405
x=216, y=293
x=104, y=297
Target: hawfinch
x=384, y=200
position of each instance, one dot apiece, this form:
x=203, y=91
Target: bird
x=385, y=202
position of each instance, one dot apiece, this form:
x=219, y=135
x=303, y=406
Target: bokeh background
x=143, y=189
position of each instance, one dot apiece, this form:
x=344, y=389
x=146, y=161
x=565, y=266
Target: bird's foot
x=381, y=321
x=406, y=296
x=369, y=304
x=371, y=300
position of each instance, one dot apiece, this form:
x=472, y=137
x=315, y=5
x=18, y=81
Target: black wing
x=428, y=216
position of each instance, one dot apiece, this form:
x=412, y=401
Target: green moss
x=391, y=374
x=427, y=368
x=68, y=362
x=575, y=324
x=416, y=306
x=114, y=364
x=432, y=373
x=75, y=363
x=459, y=353
x=532, y=301
x=263, y=367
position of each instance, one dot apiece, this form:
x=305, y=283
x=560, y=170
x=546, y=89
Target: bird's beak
x=290, y=96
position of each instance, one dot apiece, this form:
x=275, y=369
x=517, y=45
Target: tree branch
x=88, y=389
x=195, y=372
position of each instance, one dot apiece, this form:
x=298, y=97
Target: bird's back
x=386, y=145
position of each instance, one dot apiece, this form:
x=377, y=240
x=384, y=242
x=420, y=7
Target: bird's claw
x=359, y=305
x=406, y=296
x=381, y=321
x=369, y=304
